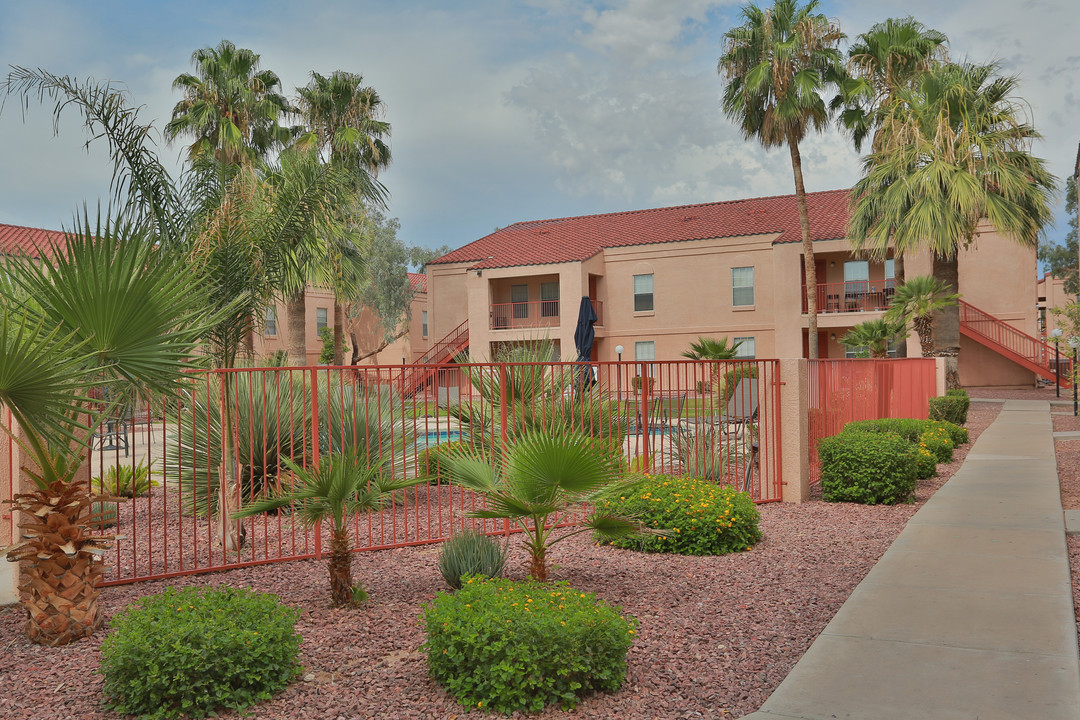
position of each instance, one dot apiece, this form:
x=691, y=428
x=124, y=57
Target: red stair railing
x=1015, y=344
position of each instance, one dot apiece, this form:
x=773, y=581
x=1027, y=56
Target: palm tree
x=777, y=66
x=955, y=151
x=541, y=476
x=344, y=122
x=341, y=486
x=712, y=349
x=230, y=107
x=916, y=301
x=107, y=309
x=890, y=56
x=874, y=335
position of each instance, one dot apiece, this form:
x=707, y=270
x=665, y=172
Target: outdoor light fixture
x=619, y=351
x=618, y=376
x=1056, y=333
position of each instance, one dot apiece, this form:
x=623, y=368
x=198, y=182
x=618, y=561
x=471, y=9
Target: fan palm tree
x=874, y=335
x=341, y=486
x=107, y=309
x=542, y=476
x=916, y=301
x=955, y=151
x=777, y=66
x=343, y=120
x=712, y=349
x=230, y=107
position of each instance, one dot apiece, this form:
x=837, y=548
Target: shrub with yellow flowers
x=699, y=517
x=508, y=646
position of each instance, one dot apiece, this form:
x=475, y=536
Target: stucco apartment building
x=273, y=334
x=660, y=278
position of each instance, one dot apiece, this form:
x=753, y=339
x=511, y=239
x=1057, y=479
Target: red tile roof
x=573, y=239
x=32, y=242
x=418, y=282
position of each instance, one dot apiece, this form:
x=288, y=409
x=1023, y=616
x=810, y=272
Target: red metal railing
x=1028, y=351
x=852, y=296
x=416, y=376
x=535, y=313
x=842, y=391
x=676, y=420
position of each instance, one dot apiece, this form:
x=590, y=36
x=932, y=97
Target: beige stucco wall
x=1050, y=292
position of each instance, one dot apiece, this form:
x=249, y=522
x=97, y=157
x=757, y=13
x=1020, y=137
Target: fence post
x=315, y=445
x=939, y=373
x=646, y=386
x=795, y=420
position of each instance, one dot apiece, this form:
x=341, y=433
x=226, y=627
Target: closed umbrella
x=584, y=335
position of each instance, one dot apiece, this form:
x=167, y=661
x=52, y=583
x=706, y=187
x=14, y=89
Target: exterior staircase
x=1021, y=348
x=416, y=375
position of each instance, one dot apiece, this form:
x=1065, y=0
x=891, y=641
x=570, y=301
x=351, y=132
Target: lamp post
x=618, y=372
x=1074, y=343
x=1056, y=334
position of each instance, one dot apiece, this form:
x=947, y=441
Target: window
x=748, y=349
x=890, y=275
x=643, y=294
x=519, y=296
x=423, y=322
x=645, y=351
x=742, y=286
x=320, y=319
x=549, y=299
x=271, y=321
x=856, y=277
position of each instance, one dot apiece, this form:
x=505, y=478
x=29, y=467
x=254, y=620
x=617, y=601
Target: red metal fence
x=841, y=391
x=700, y=418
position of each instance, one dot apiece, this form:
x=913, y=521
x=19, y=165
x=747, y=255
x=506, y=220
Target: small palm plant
x=712, y=349
x=541, y=478
x=916, y=301
x=341, y=486
x=875, y=335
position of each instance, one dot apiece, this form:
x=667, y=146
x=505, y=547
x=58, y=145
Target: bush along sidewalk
x=879, y=461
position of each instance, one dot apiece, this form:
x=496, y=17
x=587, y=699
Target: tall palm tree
x=955, y=151
x=109, y=309
x=874, y=335
x=888, y=57
x=343, y=121
x=777, y=67
x=230, y=107
x=341, y=486
x=916, y=301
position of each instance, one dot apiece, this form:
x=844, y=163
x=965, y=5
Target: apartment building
x=660, y=278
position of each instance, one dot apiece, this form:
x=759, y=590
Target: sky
x=501, y=111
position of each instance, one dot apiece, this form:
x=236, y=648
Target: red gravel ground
x=717, y=634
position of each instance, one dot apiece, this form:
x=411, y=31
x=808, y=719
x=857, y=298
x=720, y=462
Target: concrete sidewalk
x=969, y=614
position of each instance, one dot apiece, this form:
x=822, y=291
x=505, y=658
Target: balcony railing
x=852, y=296
x=535, y=313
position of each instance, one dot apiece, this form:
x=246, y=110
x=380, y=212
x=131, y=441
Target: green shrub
x=925, y=463
x=939, y=442
x=958, y=435
x=867, y=467
x=192, y=651
x=908, y=428
x=125, y=481
x=703, y=518
x=732, y=377
x=512, y=646
x=471, y=553
x=952, y=408
x=326, y=354
x=102, y=515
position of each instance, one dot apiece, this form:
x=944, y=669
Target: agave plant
x=701, y=452
x=542, y=477
x=106, y=309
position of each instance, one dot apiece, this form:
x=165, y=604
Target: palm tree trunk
x=538, y=563
x=947, y=321
x=808, y=248
x=340, y=569
x=339, y=333
x=230, y=530
x=296, y=321
x=898, y=280
x=924, y=328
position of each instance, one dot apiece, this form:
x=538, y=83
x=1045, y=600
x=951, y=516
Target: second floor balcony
x=536, y=314
x=852, y=296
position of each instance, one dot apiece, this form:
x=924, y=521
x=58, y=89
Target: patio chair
x=742, y=408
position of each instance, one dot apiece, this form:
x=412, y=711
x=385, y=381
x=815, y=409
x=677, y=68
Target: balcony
x=852, y=296
x=534, y=314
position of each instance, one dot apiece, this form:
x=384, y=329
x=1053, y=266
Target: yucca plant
x=341, y=486
x=125, y=481
x=701, y=453
x=110, y=309
x=542, y=477
x=471, y=553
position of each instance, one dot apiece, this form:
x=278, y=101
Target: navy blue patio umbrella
x=584, y=336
